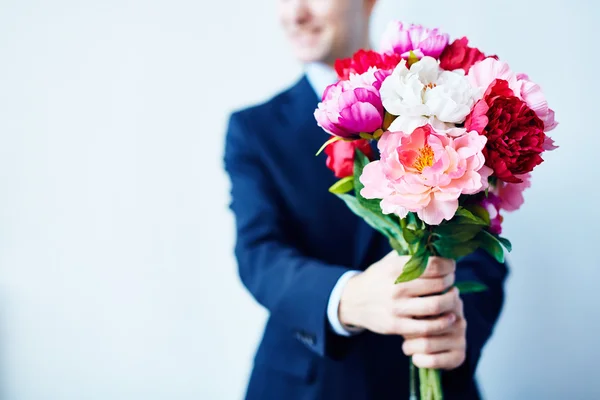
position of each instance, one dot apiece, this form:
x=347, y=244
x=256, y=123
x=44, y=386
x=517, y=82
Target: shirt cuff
x=334, y=303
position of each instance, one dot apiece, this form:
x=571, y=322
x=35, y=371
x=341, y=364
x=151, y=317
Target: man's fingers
x=428, y=306
x=434, y=344
x=438, y=267
x=447, y=360
x=460, y=308
x=427, y=286
x=423, y=327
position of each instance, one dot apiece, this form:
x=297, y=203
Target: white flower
x=426, y=94
x=453, y=97
x=408, y=124
x=402, y=91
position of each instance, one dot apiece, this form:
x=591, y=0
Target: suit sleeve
x=293, y=287
x=481, y=310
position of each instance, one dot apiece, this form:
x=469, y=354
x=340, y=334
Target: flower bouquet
x=457, y=133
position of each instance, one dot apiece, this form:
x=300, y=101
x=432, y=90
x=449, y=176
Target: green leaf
x=480, y=212
x=455, y=250
x=463, y=212
x=342, y=186
x=415, y=267
x=505, y=242
x=467, y=221
x=412, y=58
x=457, y=232
x=492, y=245
x=399, y=247
x=413, y=220
x=360, y=161
x=377, y=220
x=411, y=236
x=470, y=287
x=327, y=143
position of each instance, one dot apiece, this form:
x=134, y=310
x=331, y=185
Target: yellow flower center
x=425, y=158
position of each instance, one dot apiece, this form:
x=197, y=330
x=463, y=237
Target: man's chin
x=309, y=55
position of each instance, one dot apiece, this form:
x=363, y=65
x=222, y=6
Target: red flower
x=362, y=60
x=458, y=55
x=515, y=133
x=340, y=156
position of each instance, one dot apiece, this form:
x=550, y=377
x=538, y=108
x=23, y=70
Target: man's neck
x=319, y=75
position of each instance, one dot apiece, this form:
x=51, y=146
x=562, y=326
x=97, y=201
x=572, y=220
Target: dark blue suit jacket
x=295, y=239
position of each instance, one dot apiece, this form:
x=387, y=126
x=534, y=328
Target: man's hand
x=433, y=327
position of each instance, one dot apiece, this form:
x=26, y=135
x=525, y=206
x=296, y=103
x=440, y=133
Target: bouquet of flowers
x=458, y=134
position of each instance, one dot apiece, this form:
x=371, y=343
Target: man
x=339, y=328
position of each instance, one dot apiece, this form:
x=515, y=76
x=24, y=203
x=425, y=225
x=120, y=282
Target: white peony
x=426, y=94
x=453, y=97
x=402, y=91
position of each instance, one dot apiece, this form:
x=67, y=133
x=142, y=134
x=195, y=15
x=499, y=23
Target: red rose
x=340, y=156
x=515, y=133
x=458, y=55
x=362, y=60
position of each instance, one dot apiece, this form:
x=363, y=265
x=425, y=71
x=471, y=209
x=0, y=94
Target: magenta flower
x=352, y=107
x=401, y=39
x=492, y=205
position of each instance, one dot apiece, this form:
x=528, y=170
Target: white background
x=117, y=279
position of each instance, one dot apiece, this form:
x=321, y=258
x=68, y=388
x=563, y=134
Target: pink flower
x=511, y=194
x=483, y=73
x=532, y=94
x=353, y=106
x=425, y=172
x=401, y=39
x=492, y=206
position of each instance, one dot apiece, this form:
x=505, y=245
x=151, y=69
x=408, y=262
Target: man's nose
x=300, y=11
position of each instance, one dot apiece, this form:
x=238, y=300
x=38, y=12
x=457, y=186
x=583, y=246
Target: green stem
x=424, y=381
x=436, y=384
x=431, y=384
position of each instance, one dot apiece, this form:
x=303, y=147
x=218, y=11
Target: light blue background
x=117, y=279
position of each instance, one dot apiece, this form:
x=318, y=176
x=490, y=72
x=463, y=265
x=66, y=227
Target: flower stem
x=424, y=383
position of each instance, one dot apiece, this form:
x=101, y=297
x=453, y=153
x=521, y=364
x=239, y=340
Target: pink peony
x=484, y=73
x=401, y=39
x=352, y=106
x=425, y=172
x=532, y=94
x=511, y=194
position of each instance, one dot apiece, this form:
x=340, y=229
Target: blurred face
x=324, y=30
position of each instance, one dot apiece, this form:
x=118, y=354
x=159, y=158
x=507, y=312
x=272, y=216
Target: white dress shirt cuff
x=334, y=303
